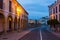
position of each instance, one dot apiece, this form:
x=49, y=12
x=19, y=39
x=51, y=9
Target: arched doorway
x=10, y=20
x=2, y=20
x=15, y=23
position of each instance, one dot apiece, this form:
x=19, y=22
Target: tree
x=52, y=22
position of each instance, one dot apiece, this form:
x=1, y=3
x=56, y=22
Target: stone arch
x=2, y=21
x=10, y=22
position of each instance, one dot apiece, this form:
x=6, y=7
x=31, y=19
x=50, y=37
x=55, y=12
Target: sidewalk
x=15, y=35
x=56, y=33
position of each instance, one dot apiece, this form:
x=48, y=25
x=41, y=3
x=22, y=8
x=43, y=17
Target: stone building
x=54, y=10
x=12, y=16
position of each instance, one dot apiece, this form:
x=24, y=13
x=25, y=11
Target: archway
x=2, y=20
x=10, y=20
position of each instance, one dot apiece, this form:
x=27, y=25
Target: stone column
x=20, y=24
x=5, y=26
x=13, y=25
x=17, y=25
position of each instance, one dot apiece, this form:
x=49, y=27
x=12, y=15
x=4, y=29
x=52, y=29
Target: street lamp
x=19, y=11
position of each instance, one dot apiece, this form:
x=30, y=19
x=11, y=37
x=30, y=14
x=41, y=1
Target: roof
x=22, y=7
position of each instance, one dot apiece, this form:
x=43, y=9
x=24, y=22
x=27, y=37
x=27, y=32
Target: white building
x=43, y=20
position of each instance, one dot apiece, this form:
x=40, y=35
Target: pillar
x=17, y=25
x=20, y=24
x=5, y=26
x=13, y=25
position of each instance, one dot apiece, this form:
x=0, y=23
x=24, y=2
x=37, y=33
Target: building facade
x=54, y=10
x=43, y=20
x=12, y=16
x=31, y=21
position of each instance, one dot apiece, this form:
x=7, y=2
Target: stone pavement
x=56, y=33
x=52, y=30
x=15, y=35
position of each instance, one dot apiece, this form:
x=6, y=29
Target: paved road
x=48, y=36
x=40, y=34
x=33, y=35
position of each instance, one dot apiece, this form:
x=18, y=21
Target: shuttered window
x=1, y=4
x=59, y=7
x=10, y=6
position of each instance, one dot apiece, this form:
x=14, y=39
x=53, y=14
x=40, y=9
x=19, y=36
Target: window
x=50, y=11
x=1, y=4
x=10, y=6
x=59, y=17
x=59, y=7
x=56, y=9
x=56, y=16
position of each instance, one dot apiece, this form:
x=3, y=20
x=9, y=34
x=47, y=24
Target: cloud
x=37, y=15
x=24, y=2
x=40, y=2
x=36, y=8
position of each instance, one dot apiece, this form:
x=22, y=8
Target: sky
x=36, y=8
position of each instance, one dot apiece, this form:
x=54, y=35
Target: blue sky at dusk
x=36, y=8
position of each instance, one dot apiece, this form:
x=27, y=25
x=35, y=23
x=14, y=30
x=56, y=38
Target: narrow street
x=29, y=19
x=33, y=35
x=40, y=33
x=49, y=36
